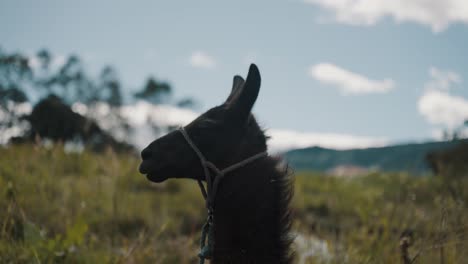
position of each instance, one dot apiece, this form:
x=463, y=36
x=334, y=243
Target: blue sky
x=377, y=69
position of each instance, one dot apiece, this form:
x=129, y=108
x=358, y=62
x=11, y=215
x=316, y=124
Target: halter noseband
x=210, y=193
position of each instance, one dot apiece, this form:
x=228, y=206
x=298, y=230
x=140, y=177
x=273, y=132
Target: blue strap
x=207, y=240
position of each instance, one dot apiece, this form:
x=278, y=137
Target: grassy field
x=95, y=208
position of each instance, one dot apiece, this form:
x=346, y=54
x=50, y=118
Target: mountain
x=407, y=157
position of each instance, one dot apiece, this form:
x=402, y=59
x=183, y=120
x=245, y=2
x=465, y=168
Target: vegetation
x=60, y=207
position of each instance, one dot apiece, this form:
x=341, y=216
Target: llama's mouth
x=145, y=167
x=142, y=167
x=154, y=177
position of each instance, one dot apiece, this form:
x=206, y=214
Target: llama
x=248, y=205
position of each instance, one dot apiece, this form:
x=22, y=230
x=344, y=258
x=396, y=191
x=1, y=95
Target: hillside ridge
x=401, y=157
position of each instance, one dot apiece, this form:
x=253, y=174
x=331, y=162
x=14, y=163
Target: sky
x=335, y=73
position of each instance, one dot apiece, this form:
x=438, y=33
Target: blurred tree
x=51, y=79
x=154, y=91
x=457, y=133
x=187, y=102
x=53, y=119
x=109, y=87
x=452, y=163
x=70, y=82
x=12, y=93
x=56, y=80
x=44, y=58
x=15, y=73
x=108, y=91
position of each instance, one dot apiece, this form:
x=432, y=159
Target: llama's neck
x=251, y=215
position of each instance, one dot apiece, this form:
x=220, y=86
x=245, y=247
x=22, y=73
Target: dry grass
x=89, y=208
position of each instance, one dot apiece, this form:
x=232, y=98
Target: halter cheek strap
x=209, y=193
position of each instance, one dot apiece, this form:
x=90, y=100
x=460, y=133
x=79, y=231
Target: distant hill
x=408, y=157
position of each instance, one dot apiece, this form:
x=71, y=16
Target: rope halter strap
x=210, y=192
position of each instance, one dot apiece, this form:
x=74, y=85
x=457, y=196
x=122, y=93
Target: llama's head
x=225, y=134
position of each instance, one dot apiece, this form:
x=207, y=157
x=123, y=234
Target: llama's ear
x=246, y=95
x=237, y=84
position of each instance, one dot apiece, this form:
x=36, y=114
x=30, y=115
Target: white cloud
x=442, y=80
x=441, y=108
x=282, y=140
x=348, y=82
x=142, y=112
x=142, y=116
x=438, y=14
x=438, y=134
x=438, y=106
x=200, y=59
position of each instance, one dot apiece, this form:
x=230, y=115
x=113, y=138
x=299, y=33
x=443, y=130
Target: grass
x=58, y=207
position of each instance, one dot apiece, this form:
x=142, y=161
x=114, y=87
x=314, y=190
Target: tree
x=187, y=102
x=71, y=82
x=53, y=119
x=53, y=81
x=15, y=73
x=68, y=83
x=457, y=133
x=109, y=87
x=154, y=91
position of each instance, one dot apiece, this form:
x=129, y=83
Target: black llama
x=249, y=217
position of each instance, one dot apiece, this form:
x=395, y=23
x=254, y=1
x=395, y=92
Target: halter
x=206, y=251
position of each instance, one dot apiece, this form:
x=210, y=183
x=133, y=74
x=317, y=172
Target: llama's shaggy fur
x=252, y=216
x=251, y=208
